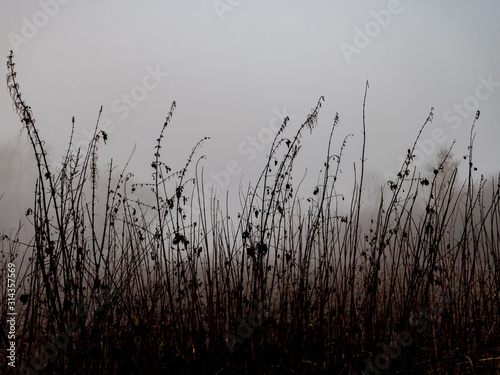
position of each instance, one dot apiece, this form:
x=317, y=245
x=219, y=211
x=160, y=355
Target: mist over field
x=221, y=187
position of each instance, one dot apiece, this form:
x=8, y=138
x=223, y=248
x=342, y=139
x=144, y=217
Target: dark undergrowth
x=291, y=285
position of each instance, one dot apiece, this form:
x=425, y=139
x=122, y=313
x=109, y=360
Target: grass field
x=292, y=284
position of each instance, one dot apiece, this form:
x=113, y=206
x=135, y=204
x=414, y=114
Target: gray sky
x=236, y=68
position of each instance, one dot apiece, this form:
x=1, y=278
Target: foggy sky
x=236, y=68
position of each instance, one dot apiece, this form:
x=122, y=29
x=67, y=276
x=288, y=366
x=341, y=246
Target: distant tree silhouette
x=443, y=167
